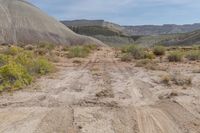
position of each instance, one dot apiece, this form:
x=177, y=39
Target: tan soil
x=104, y=95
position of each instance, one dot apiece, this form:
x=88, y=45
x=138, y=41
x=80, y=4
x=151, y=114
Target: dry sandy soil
x=104, y=95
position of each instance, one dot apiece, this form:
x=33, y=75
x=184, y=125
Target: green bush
x=78, y=51
x=159, y=50
x=4, y=59
x=193, y=55
x=18, y=67
x=14, y=76
x=175, y=56
x=42, y=66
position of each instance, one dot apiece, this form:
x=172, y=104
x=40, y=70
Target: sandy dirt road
x=102, y=95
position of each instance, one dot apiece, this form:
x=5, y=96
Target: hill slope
x=192, y=38
x=22, y=22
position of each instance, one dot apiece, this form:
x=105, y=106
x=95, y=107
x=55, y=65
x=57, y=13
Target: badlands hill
x=22, y=22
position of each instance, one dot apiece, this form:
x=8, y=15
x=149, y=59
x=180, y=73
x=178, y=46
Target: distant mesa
x=114, y=34
x=22, y=22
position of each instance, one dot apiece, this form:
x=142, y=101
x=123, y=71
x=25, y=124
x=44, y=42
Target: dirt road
x=102, y=95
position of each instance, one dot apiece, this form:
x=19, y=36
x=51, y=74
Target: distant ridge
x=137, y=30
x=107, y=32
x=148, y=35
x=161, y=29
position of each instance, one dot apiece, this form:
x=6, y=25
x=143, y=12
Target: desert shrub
x=14, y=76
x=4, y=59
x=78, y=51
x=42, y=66
x=29, y=47
x=124, y=49
x=41, y=51
x=143, y=63
x=181, y=80
x=18, y=67
x=193, y=55
x=13, y=50
x=135, y=51
x=65, y=48
x=149, y=64
x=149, y=55
x=177, y=79
x=166, y=79
x=159, y=50
x=45, y=45
x=126, y=57
x=175, y=56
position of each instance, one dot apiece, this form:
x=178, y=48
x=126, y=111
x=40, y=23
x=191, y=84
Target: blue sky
x=124, y=12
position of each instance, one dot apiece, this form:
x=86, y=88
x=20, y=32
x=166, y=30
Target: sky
x=124, y=12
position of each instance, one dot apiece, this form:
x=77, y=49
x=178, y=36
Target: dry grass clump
x=166, y=79
x=177, y=79
x=149, y=64
x=176, y=56
x=80, y=51
x=126, y=57
x=193, y=55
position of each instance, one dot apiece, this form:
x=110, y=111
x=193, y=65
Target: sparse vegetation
x=80, y=51
x=148, y=64
x=159, y=50
x=166, y=79
x=175, y=56
x=193, y=55
x=18, y=67
x=149, y=55
x=126, y=57
x=177, y=79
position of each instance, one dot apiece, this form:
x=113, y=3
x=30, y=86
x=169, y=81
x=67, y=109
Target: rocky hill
x=22, y=22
